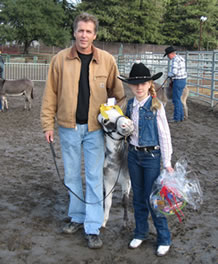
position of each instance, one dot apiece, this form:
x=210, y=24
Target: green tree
x=133, y=21
x=25, y=21
x=182, y=23
x=69, y=8
x=175, y=22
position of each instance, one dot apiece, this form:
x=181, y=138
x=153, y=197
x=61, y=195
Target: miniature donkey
x=116, y=128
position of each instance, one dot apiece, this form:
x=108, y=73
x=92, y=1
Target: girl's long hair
x=155, y=102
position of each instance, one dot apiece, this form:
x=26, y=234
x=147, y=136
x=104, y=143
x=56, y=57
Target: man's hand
x=49, y=135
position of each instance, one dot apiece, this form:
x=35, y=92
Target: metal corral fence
x=202, y=68
x=33, y=71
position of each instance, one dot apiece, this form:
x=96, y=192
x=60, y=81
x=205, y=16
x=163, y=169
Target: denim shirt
x=147, y=126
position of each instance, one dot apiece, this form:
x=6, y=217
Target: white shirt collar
x=141, y=103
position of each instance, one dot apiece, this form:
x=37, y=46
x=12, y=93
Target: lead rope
x=56, y=166
x=162, y=85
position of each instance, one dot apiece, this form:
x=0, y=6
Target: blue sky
x=73, y=1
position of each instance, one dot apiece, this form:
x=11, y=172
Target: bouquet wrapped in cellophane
x=172, y=191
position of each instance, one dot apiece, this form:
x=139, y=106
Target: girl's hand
x=170, y=169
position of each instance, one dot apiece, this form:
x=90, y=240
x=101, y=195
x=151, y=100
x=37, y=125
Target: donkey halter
x=103, y=110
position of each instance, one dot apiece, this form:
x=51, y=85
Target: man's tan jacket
x=61, y=91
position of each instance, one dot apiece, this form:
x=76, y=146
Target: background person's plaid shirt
x=178, y=70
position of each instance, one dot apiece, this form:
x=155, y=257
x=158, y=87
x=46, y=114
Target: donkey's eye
x=105, y=121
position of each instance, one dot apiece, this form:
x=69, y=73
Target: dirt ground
x=34, y=202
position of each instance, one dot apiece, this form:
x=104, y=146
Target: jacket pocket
x=101, y=81
x=149, y=116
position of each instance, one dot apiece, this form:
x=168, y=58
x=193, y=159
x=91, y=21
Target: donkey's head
x=113, y=120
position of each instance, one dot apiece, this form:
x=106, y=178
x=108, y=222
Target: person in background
x=1, y=74
x=1, y=66
x=178, y=75
x=150, y=141
x=80, y=79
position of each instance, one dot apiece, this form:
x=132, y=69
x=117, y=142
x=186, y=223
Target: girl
x=149, y=142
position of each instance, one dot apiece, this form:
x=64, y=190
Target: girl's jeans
x=144, y=169
x=73, y=141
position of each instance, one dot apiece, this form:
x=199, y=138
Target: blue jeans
x=1, y=70
x=178, y=87
x=73, y=141
x=144, y=169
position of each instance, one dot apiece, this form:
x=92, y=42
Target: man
x=178, y=74
x=80, y=79
x=1, y=66
x=1, y=74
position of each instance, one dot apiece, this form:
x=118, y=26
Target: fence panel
x=202, y=68
x=33, y=71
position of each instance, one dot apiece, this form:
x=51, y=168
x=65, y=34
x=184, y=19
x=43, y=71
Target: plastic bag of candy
x=172, y=191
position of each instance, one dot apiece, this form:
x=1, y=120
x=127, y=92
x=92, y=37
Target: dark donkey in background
x=16, y=88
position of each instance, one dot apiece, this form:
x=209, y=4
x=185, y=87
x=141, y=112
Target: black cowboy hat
x=139, y=74
x=169, y=50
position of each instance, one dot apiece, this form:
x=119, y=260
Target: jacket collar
x=73, y=53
